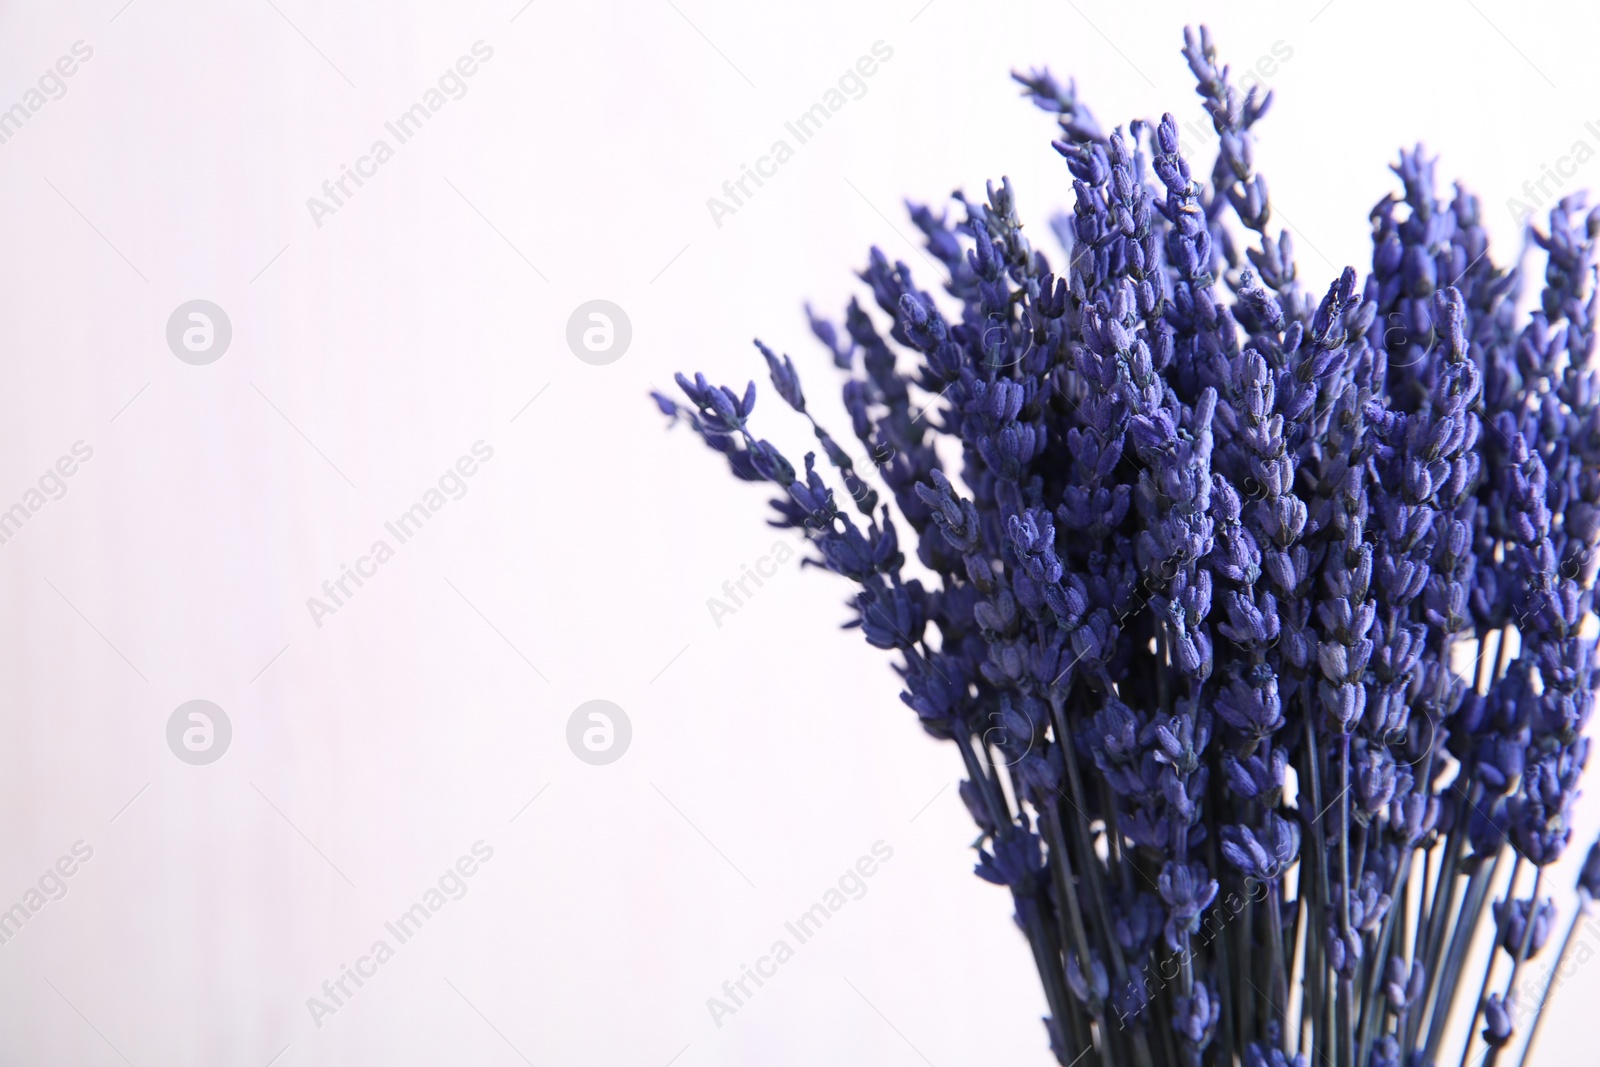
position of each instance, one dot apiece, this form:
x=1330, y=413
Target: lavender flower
x=1511, y=921
x=1185, y=535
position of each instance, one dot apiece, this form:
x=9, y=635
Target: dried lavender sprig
x=1066, y=395
x=1588, y=890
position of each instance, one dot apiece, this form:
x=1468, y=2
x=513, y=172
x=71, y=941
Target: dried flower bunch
x=1259, y=620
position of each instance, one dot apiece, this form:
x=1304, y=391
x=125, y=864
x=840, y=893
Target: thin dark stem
x=1419, y=948
x=994, y=799
x=1315, y=933
x=1122, y=864
x=1042, y=945
x=1169, y=1042
x=1280, y=967
x=1229, y=1015
x=1162, y=694
x=1346, y=1021
x=1307, y=976
x=1114, y=853
x=1347, y=1032
x=1372, y=1008
x=985, y=750
x=1460, y=940
x=1484, y=661
x=1248, y=995
x=1488, y=968
x=1522, y=951
x=1061, y=871
x=1330, y=1016
x=1555, y=978
x=1503, y=657
x=1089, y=861
x=1278, y=975
x=1061, y=874
x=1442, y=910
x=1061, y=1004
x=1429, y=895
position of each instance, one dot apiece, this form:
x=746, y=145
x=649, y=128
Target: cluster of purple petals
x=1233, y=596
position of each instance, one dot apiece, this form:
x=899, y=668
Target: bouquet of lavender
x=1259, y=620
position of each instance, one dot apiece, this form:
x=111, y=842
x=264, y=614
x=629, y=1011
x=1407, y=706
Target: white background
x=368, y=754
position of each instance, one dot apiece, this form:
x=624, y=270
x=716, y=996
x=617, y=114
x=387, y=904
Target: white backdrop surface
x=422, y=316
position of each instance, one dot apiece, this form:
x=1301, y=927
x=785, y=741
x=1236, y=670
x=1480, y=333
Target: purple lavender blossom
x=1195, y=563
